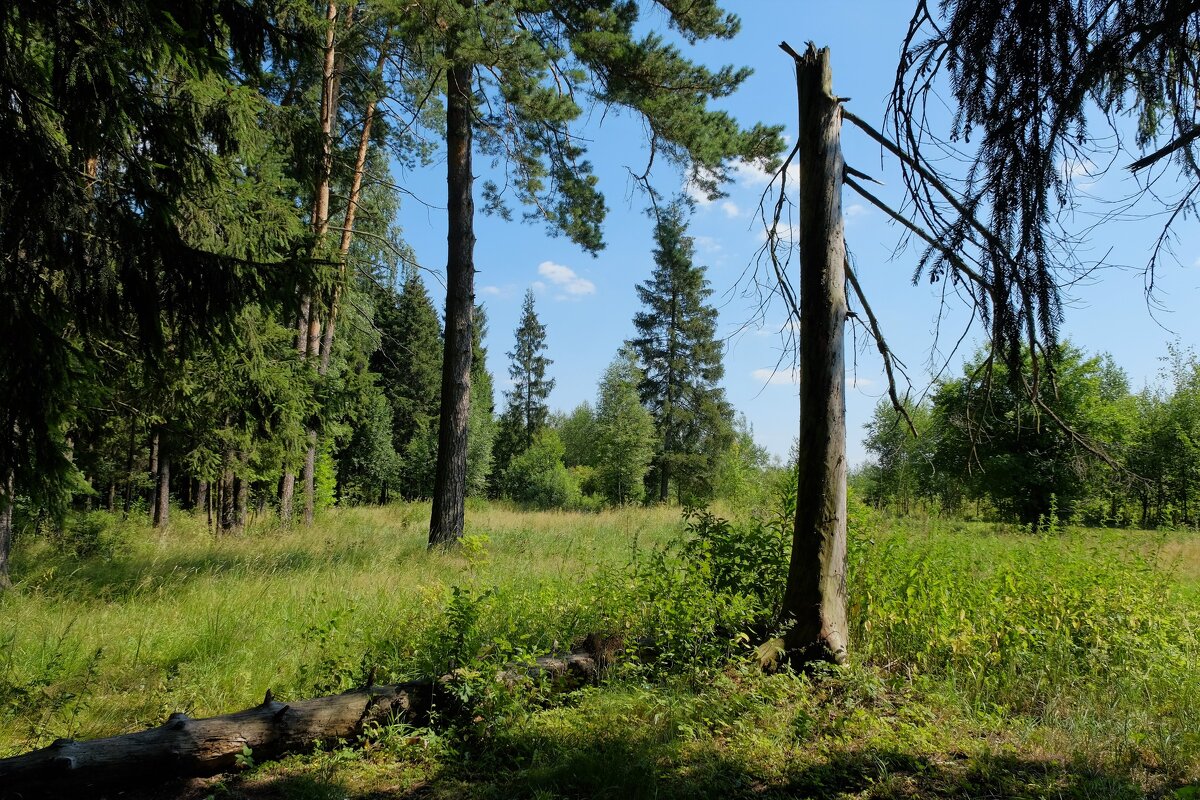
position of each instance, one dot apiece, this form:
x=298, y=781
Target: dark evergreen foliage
x=106, y=140
x=677, y=346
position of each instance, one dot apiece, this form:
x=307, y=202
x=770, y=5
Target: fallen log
x=183, y=747
x=186, y=747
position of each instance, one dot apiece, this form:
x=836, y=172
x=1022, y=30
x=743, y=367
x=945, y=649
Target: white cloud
x=787, y=233
x=754, y=175
x=1073, y=169
x=859, y=383
x=697, y=194
x=855, y=210
x=494, y=291
x=1196, y=263
x=707, y=244
x=538, y=286
x=778, y=377
x=731, y=209
x=565, y=279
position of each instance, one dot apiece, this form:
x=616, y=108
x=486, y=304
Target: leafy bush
x=537, y=477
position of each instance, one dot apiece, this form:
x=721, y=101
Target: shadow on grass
x=635, y=766
x=124, y=576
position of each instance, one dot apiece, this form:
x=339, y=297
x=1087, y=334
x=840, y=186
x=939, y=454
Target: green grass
x=989, y=662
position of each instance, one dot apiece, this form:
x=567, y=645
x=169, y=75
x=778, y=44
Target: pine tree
x=625, y=437
x=543, y=63
x=677, y=345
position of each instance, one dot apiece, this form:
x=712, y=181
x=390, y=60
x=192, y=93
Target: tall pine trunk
x=320, y=223
x=450, y=478
x=308, y=326
x=352, y=201
x=815, y=597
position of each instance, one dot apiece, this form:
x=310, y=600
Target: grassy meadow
x=988, y=662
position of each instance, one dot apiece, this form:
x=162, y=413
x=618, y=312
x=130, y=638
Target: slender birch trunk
x=815, y=598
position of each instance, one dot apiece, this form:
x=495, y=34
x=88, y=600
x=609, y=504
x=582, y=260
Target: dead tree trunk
x=450, y=478
x=815, y=598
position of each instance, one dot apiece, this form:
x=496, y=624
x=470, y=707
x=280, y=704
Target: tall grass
x=1091, y=634
x=1084, y=642
x=145, y=624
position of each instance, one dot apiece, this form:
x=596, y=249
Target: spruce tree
x=481, y=432
x=409, y=363
x=531, y=387
x=105, y=140
x=677, y=345
x=526, y=413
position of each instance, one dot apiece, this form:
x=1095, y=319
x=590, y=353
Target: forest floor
x=988, y=662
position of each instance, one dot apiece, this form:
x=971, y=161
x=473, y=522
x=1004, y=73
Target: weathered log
x=185, y=747
x=562, y=672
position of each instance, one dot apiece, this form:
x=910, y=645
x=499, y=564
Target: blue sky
x=587, y=304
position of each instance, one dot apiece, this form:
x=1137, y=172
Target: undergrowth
x=988, y=661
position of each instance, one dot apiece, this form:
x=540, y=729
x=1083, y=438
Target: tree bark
x=320, y=224
x=310, y=481
x=129, y=480
x=228, y=511
x=241, y=501
x=450, y=478
x=162, y=495
x=352, y=201
x=815, y=597
x=202, y=496
x=7, y=501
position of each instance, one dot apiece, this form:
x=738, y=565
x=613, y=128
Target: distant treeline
x=1088, y=449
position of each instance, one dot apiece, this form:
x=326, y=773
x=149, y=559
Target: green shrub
x=537, y=477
